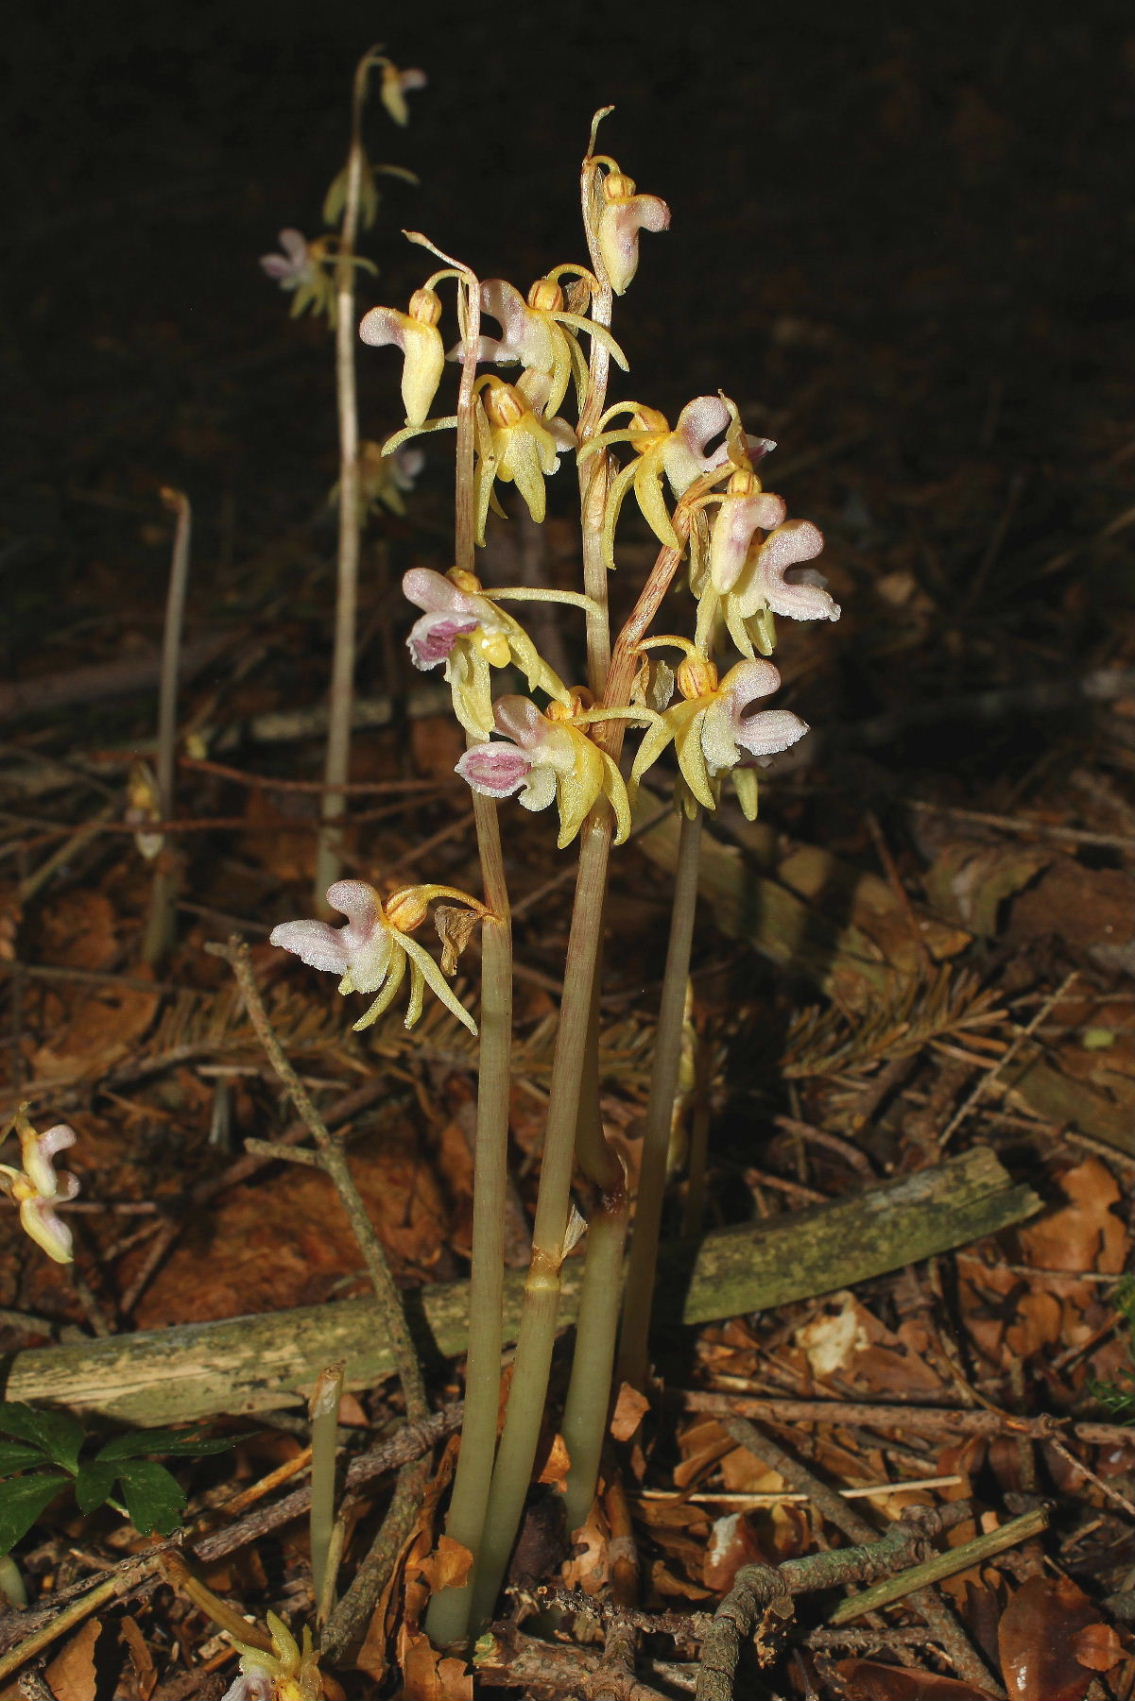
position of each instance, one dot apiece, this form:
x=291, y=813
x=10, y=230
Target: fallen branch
x=261, y=1363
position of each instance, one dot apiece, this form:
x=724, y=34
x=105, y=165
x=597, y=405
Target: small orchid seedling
x=561, y=744
x=38, y=1190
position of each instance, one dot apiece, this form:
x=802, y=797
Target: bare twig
x=334, y=1161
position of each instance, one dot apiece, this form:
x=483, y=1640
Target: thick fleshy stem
x=447, y=1619
x=328, y=854
x=550, y=1236
x=589, y=1389
x=634, y=1360
x=324, y=1414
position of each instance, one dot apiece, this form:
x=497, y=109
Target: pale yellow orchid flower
x=470, y=633
x=516, y=445
x=289, y=1673
x=712, y=731
x=417, y=335
x=372, y=951
x=37, y=1189
x=548, y=760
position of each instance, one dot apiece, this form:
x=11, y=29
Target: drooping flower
x=773, y=580
x=516, y=445
x=372, y=951
x=37, y=1189
x=417, y=335
x=548, y=760
x=622, y=214
x=537, y=334
x=385, y=479
x=712, y=729
x=471, y=633
x=676, y=458
x=288, y=1673
x=303, y=268
x=396, y=85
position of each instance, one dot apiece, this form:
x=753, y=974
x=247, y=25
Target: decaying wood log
x=246, y=1364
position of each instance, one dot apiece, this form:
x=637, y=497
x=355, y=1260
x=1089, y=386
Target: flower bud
x=425, y=306
x=697, y=677
x=617, y=186
x=504, y=404
x=546, y=296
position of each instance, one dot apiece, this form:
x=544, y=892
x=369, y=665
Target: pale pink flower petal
x=431, y=639
x=795, y=542
x=498, y=770
x=619, y=225
x=737, y=518
x=293, y=265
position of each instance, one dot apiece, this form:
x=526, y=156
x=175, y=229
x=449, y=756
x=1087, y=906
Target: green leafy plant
x=43, y=1452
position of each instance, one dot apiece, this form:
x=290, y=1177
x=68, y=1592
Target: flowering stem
x=633, y=1354
x=447, y=1619
x=328, y=856
x=324, y=1414
x=594, y=480
x=584, y=1423
x=536, y=1337
x=163, y=896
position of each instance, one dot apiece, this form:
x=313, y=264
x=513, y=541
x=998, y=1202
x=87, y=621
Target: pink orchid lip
x=497, y=770
x=432, y=637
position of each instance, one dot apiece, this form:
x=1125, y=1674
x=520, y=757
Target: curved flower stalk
x=289, y=1673
x=471, y=633
x=417, y=335
x=307, y=269
x=676, y=458
x=617, y=213
x=372, y=951
x=37, y=1189
x=764, y=588
x=712, y=730
x=550, y=759
x=540, y=334
x=516, y=445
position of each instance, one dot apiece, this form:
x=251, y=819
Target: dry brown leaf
x=428, y=1675
x=448, y=1566
x=630, y=1409
x=589, y=1565
x=145, y=1671
x=558, y=1462
x=732, y=1543
x=672, y=1587
x=1038, y=1639
x=71, y=1674
x=870, y=1680
x=1098, y=1646
x=1085, y=1235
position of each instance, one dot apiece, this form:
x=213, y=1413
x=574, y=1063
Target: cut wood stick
x=262, y=1363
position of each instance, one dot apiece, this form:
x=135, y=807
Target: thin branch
x=236, y=954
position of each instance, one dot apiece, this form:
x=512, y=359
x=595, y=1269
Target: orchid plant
x=558, y=747
x=320, y=275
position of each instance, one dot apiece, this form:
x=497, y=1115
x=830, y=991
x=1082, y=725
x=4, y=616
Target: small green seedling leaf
x=94, y=1484
x=57, y=1434
x=21, y=1502
x=180, y=1443
x=154, y=1498
x=17, y=1456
